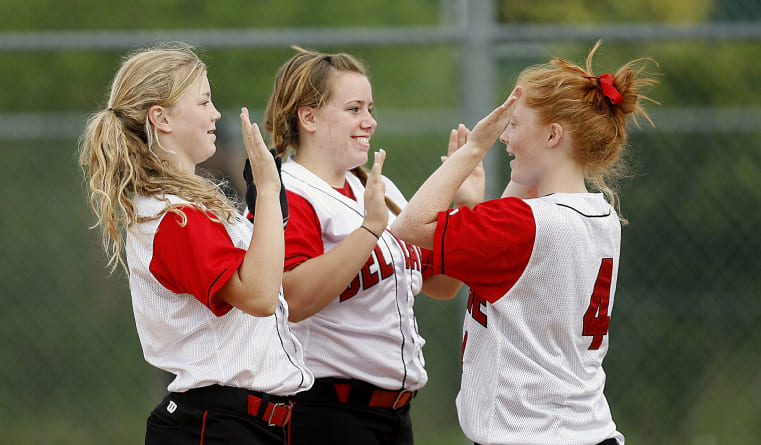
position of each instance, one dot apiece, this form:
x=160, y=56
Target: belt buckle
x=287, y=419
x=399, y=397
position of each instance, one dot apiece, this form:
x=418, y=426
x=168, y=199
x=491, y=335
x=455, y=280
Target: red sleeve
x=303, y=235
x=487, y=247
x=196, y=259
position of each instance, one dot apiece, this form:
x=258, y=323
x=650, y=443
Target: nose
x=503, y=137
x=216, y=115
x=369, y=122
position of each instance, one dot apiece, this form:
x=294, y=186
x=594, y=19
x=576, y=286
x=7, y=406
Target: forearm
x=255, y=286
x=313, y=284
x=417, y=222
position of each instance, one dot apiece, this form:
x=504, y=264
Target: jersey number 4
x=596, y=319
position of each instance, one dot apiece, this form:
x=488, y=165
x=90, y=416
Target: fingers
x=378, y=160
x=462, y=135
x=513, y=97
x=263, y=166
x=457, y=138
x=376, y=212
x=252, y=137
x=453, y=142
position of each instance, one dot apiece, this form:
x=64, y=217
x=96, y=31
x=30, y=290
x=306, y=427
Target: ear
x=307, y=119
x=555, y=134
x=157, y=115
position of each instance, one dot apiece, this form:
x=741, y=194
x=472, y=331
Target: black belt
x=275, y=410
x=356, y=392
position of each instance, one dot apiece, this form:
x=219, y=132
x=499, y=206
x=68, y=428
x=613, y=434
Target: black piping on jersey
x=277, y=328
x=282, y=345
x=398, y=311
x=208, y=293
x=396, y=280
x=583, y=214
x=443, y=232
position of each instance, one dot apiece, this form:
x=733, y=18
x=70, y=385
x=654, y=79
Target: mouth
x=363, y=140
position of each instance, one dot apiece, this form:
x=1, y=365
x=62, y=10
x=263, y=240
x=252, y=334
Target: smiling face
x=193, y=122
x=344, y=124
x=526, y=140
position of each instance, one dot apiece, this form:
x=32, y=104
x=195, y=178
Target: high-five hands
x=265, y=172
x=472, y=191
x=376, y=211
x=488, y=129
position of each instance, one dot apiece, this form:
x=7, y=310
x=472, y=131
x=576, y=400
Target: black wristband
x=371, y=232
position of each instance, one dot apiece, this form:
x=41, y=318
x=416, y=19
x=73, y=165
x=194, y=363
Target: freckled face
x=344, y=124
x=525, y=138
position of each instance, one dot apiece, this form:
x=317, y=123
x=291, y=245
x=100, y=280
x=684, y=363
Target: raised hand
x=376, y=211
x=488, y=129
x=472, y=190
x=263, y=169
x=253, y=140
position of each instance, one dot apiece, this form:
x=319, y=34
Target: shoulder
x=589, y=205
x=148, y=206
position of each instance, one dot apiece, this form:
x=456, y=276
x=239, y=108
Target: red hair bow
x=608, y=90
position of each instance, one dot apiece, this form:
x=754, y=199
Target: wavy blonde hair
x=563, y=92
x=117, y=147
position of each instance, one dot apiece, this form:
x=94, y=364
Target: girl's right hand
x=376, y=211
x=262, y=163
x=488, y=129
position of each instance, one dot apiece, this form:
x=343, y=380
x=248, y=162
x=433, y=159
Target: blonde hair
x=305, y=81
x=117, y=147
x=563, y=92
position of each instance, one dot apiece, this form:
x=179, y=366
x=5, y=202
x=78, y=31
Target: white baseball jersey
x=369, y=332
x=184, y=329
x=542, y=274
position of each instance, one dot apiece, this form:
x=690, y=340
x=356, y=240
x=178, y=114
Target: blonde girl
x=205, y=283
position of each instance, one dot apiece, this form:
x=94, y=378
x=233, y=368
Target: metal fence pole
x=478, y=76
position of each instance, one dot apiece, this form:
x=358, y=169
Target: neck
x=565, y=179
x=322, y=168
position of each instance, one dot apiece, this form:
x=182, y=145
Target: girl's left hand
x=376, y=211
x=471, y=192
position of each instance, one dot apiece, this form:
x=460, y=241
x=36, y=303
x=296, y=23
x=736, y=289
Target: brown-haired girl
x=349, y=282
x=205, y=284
x=542, y=261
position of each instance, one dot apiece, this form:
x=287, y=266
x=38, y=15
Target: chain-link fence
x=684, y=365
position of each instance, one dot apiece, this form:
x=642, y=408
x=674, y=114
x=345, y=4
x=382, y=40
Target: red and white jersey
x=184, y=328
x=542, y=274
x=369, y=332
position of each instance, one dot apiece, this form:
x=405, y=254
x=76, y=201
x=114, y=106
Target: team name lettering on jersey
x=475, y=303
x=377, y=268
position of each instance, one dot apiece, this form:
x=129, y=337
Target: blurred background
x=684, y=365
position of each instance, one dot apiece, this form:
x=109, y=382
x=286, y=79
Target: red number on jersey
x=596, y=319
